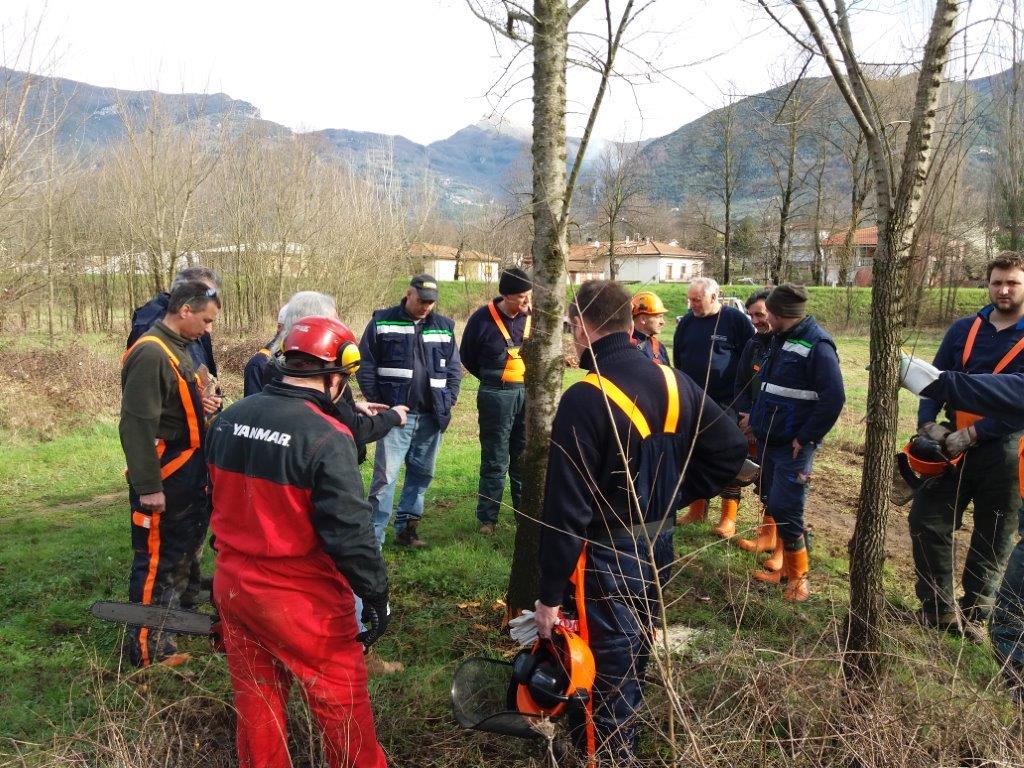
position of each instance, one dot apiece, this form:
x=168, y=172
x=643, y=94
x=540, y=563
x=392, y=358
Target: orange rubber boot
x=726, y=527
x=799, y=588
x=697, y=513
x=774, y=566
x=765, y=541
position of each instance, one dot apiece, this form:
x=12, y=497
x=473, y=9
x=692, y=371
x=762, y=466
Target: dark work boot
x=407, y=537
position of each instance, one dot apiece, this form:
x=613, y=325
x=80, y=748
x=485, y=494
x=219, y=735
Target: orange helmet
x=925, y=457
x=648, y=303
x=553, y=673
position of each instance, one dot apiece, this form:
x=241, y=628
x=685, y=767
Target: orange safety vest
x=515, y=366
x=176, y=459
x=963, y=418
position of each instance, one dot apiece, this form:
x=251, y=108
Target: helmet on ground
x=552, y=674
x=647, y=303
x=326, y=339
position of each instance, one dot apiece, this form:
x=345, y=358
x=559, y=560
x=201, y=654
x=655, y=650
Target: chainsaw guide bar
x=154, y=617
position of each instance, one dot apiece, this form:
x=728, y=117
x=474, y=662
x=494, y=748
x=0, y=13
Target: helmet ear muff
x=348, y=358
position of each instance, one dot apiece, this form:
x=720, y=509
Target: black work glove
x=376, y=615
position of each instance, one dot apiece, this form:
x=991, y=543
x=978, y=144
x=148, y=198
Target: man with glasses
x=162, y=428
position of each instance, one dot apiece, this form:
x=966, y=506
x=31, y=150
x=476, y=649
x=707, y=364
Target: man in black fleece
x=590, y=514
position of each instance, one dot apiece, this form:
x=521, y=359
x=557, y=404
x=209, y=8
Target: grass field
x=65, y=701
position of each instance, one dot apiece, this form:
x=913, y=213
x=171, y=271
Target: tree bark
x=897, y=216
x=543, y=352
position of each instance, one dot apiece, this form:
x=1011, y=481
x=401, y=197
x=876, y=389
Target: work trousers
x=415, y=446
x=288, y=619
x=1007, y=625
x=501, y=410
x=621, y=609
x=165, y=544
x=783, y=486
x=988, y=477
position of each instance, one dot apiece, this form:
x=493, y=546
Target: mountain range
x=487, y=160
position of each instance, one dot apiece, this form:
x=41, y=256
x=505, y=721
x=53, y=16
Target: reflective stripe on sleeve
x=395, y=373
x=794, y=394
x=439, y=383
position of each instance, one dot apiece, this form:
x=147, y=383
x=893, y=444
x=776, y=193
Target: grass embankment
x=758, y=681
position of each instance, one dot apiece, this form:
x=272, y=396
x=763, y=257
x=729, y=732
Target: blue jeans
x=416, y=446
x=784, y=482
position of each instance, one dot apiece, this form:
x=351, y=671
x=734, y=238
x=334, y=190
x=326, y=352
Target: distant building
x=637, y=261
x=448, y=264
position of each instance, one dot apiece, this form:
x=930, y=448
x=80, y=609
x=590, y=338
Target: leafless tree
x=618, y=190
x=898, y=197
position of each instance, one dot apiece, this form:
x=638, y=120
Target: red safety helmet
x=553, y=673
x=325, y=338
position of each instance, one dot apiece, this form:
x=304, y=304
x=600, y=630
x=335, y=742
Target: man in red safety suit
x=294, y=541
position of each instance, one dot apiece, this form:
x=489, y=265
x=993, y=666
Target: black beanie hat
x=514, y=280
x=787, y=300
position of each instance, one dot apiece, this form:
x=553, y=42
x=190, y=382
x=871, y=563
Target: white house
x=637, y=261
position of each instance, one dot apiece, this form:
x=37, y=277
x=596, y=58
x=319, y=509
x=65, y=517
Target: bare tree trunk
x=543, y=352
x=897, y=216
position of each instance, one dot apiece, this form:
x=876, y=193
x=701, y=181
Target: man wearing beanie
x=707, y=346
x=800, y=398
x=490, y=350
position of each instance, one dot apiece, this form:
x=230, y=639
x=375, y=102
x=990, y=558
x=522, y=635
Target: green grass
x=59, y=552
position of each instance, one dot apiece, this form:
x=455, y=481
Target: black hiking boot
x=407, y=537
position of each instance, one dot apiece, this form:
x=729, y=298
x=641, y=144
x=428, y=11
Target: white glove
x=959, y=441
x=916, y=374
x=933, y=431
x=523, y=629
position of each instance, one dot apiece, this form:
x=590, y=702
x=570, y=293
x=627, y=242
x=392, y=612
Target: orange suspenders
x=515, y=368
x=963, y=418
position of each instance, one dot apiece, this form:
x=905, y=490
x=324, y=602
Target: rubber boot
x=697, y=513
x=726, y=527
x=765, y=541
x=797, y=565
x=774, y=566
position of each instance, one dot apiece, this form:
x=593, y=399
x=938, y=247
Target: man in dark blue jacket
x=598, y=524
x=800, y=400
x=996, y=395
x=409, y=357
x=490, y=350
x=992, y=341
x=706, y=347
x=143, y=318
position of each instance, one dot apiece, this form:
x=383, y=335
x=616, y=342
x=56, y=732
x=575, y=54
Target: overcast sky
x=417, y=68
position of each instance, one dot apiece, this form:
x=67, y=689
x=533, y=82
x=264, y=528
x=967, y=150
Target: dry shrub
x=44, y=392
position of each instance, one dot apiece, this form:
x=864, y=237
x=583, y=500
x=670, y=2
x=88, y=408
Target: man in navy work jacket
x=800, y=400
x=594, y=525
x=706, y=347
x=992, y=341
x=409, y=357
x=490, y=350
x=988, y=394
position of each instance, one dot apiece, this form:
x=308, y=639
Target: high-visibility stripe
x=527, y=327
x=141, y=520
x=153, y=548
x=492, y=307
x=672, y=413
x=265, y=352
x=620, y=399
x=1009, y=357
x=395, y=373
x=436, y=338
x=437, y=332
x=439, y=383
x=383, y=328
x=793, y=394
x=578, y=580
x=801, y=348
